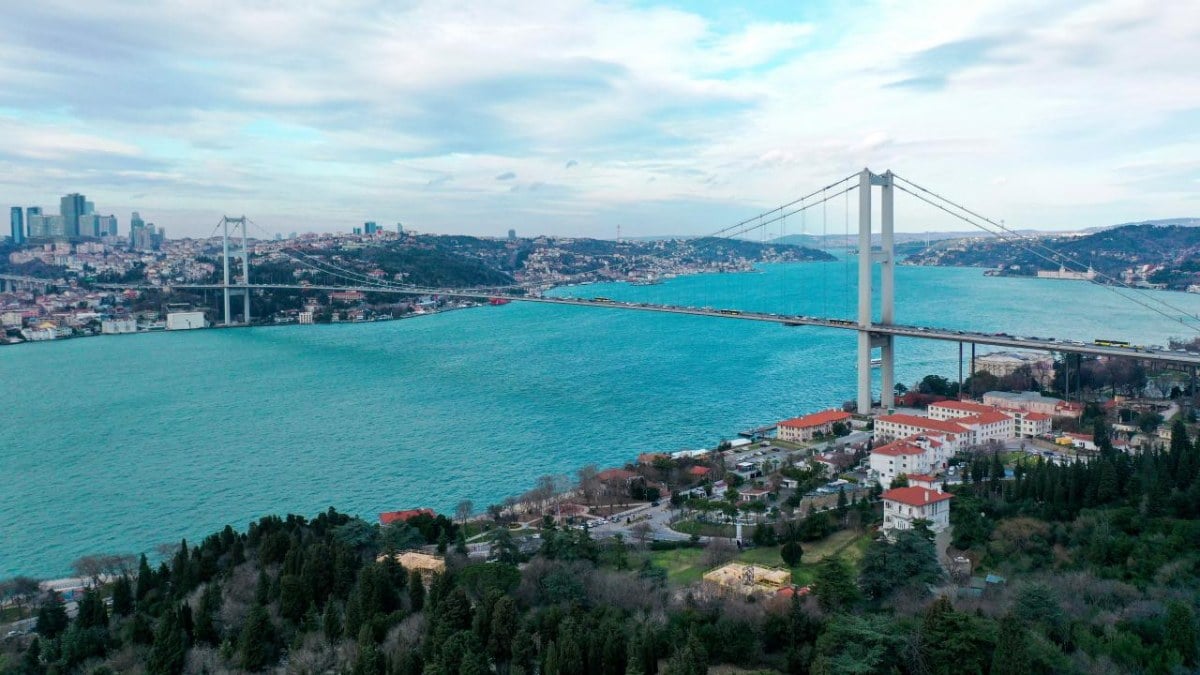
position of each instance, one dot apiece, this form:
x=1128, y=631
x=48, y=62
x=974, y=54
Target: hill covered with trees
x=1099, y=568
x=1175, y=248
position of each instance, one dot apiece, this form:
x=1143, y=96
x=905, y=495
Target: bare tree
x=19, y=590
x=718, y=551
x=641, y=533
x=589, y=483
x=464, y=510
x=90, y=567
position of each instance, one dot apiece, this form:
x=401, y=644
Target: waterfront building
x=186, y=320
x=903, y=506
x=118, y=326
x=17, y=219
x=802, y=429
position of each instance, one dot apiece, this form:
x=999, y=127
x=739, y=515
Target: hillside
x=1157, y=254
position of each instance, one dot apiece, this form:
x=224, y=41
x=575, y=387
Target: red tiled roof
x=1037, y=417
x=990, y=417
x=898, y=448
x=616, y=474
x=1081, y=437
x=699, y=471
x=923, y=477
x=916, y=496
x=964, y=406
x=946, y=426
x=389, y=517
x=816, y=419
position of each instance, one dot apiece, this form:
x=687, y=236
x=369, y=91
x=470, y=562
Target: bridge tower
x=867, y=257
x=244, y=254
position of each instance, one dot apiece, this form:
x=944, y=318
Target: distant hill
x=1168, y=252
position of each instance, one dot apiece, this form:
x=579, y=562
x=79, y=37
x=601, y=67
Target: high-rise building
x=71, y=208
x=89, y=225
x=89, y=208
x=32, y=212
x=399, y=228
x=512, y=234
x=18, y=225
x=108, y=226
x=370, y=227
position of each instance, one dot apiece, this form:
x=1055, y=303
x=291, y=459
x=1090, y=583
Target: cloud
x=195, y=108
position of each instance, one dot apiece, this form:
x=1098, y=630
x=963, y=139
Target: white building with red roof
x=991, y=423
x=802, y=429
x=903, y=506
x=918, y=454
x=900, y=425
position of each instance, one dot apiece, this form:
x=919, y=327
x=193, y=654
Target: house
x=1081, y=441
x=903, y=506
x=912, y=455
x=924, y=480
x=803, y=429
x=389, y=517
x=753, y=494
x=833, y=462
x=1032, y=401
x=900, y=425
x=789, y=483
x=987, y=422
x=699, y=472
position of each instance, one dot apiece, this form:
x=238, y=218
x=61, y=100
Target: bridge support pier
x=867, y=340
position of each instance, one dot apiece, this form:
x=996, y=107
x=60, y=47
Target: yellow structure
x=744, y=579
x=424, y=563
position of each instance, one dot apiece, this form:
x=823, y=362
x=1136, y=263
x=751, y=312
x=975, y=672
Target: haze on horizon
x=572, y=117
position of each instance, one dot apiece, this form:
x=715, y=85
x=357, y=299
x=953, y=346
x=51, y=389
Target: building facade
x=17, y=222
x=803, y=429
x=902, y=507
x=926, y=454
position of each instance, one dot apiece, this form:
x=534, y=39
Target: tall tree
x=52, y=616
x=257, y=643
x=1011, y=656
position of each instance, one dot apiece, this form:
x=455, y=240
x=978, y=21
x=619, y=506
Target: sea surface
x=122, y=443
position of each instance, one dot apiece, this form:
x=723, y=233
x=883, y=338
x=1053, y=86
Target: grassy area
x=686, y=566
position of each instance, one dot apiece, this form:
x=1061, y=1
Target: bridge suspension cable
x=778, y=209
x=750, y=225
x=1030, y=245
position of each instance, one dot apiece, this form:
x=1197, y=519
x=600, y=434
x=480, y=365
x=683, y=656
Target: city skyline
x=574, y=118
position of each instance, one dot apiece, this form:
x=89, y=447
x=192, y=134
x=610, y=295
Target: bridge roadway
x=1166, y=356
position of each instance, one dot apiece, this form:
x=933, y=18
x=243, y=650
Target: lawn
x=684, y=566
x=687, y=566
x=705, y=529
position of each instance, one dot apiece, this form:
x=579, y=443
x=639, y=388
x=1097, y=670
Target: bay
x=121, y=443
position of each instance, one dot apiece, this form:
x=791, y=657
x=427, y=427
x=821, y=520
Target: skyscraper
x=18, y=225
x=72, y=206
x=370, y=227
x=32, y=212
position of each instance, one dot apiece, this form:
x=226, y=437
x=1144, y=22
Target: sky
x=572, y=117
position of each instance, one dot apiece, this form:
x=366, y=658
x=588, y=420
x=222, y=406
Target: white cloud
x=367, y=110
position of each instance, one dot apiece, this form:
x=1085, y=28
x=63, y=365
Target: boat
x=499, y=301
x=876, y=363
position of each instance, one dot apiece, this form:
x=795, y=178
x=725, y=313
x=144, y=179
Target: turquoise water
x=120, y=443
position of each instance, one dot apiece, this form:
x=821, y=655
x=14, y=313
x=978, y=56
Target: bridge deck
x=995, y=339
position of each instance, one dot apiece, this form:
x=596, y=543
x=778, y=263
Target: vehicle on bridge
x=599, y=298
x=1111, y=343
x=732, y=312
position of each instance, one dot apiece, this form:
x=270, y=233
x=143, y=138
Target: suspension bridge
x=876, y=329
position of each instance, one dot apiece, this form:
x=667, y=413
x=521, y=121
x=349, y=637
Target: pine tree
x=122, y=596
x=256, y=645
x=331, y=625
x=1181, y=632
x=52, y=616
x=460, y=543
x=169, y=649
x=416, y=591
x=210, y=604
x=145, y=579
x=1012, y=649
